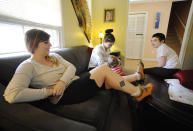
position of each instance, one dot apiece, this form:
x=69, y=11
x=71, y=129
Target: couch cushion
x=78, y=56
x=8, y=66
x=93, y=111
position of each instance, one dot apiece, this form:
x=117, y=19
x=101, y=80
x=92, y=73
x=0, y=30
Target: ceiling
x=143, y=1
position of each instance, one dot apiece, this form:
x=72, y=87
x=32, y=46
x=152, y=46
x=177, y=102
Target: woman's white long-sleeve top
x=33, y=74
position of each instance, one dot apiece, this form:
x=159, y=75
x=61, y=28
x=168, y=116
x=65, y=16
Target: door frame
x=186, y=36
x=145, y=31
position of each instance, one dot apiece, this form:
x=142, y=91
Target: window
x=18, y=16
x=12, y=37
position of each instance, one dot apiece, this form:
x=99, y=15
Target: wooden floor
x=132, y=64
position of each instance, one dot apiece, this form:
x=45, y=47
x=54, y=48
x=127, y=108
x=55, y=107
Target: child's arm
x=162, y=61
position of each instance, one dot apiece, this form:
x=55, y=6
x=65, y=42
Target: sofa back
x=78, y=56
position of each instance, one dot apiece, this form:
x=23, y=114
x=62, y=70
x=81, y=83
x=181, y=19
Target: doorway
x=136, y=35
x=177, y=24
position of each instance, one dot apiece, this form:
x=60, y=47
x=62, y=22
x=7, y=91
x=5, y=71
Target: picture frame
x=109, y=15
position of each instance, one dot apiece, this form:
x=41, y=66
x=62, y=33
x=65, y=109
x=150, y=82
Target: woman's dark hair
x=33, y=37
x=160, y=36
x=108, y=36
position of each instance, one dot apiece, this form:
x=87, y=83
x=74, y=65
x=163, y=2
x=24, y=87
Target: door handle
x=139, y=34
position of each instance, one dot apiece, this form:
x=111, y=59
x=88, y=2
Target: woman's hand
x=59, y=88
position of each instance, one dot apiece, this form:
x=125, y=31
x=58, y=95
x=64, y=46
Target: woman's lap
x=80, y=90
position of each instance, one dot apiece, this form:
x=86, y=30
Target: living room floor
x=122, y=120
x=132, y=63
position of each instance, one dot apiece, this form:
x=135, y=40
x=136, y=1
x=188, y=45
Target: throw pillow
x=185, y=77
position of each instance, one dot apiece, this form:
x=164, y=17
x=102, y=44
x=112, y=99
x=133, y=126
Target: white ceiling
x=143, y=1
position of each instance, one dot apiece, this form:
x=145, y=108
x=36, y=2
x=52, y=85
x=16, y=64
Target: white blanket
x=179, y=93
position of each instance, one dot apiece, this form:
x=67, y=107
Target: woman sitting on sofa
x=50, y=75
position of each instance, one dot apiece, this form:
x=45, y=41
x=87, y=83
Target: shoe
x=145, y=91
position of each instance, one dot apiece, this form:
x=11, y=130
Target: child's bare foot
x=145, y=91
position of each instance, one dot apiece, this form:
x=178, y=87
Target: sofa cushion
x=93, y=111
x=185, y=77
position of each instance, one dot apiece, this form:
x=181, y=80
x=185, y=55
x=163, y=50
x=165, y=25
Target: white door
x=136, y=35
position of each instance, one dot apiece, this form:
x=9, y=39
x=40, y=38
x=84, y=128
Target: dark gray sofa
x=91, y=115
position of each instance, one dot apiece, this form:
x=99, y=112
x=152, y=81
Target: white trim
x=178, y=35
x=149, y=59
x=180, y=20
x=186, y=36
x=61, y=30
x=178, y=0
x=22, y=53
x=151, y=1
x=61, y=38
x=147, y=1
x=145, y=31
x=125, y=58
x=29, y=23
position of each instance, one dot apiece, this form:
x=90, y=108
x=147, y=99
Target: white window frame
x=10, y=20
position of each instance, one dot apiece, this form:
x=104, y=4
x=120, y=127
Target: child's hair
x=160, y=36
x=113, y=61
x=108, y=36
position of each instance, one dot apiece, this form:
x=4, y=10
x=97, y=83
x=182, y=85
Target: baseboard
x=149, y=59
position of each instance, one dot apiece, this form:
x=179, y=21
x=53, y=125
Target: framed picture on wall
x=109, y=15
